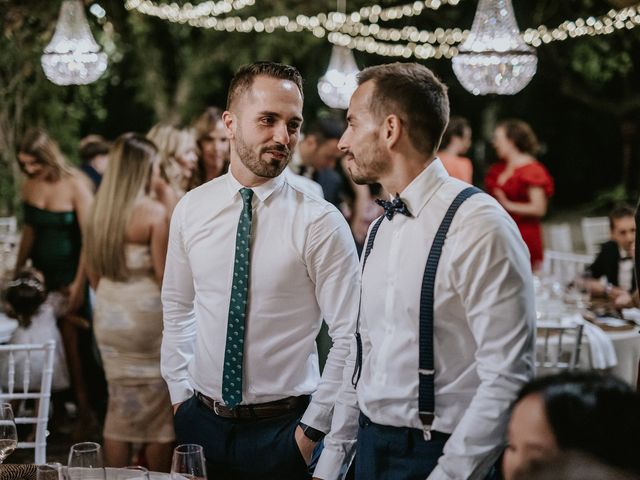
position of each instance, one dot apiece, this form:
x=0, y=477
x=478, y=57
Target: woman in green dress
x=56, y=201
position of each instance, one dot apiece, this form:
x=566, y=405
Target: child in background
x=26, y=299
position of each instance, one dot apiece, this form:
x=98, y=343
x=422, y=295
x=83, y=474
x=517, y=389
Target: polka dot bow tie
x=394, y=206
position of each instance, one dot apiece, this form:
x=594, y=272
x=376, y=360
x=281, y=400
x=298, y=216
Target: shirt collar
x=422, y=188
x=623, y=253
x=263, y=192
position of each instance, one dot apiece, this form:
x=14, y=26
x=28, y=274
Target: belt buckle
x=215, y=408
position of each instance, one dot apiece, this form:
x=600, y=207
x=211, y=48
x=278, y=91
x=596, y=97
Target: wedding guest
x=56, y=201
x=36, y=310
x=612, y=273
x=573, y=466
x=178, y=156
x=456, y=141
x=126, y=244
x=520, y=182
x=316, y=158
x=589, y=412
x=213, y=146
x=444, y=349
x=94, y=155
x=254, y=264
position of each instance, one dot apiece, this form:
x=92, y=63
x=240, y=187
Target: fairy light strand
x=349, y=30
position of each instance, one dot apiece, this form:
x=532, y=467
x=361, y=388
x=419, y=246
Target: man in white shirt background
x=445, y=348
x=317, y=155
x=253, y=264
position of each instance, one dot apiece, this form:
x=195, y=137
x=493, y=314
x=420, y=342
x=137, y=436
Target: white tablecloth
x=626, y=344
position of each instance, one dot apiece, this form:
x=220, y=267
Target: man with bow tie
x=446, y=327
x=612, y=273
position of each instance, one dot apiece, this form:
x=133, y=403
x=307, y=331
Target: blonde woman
x=126, y=244
x=213, y=146
x=178, y=156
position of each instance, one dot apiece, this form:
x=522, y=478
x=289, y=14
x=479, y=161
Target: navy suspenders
x=426, y=370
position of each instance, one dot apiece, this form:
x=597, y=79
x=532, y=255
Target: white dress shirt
x=484, y=321
x=303, y=183
x=303, y=268
x=625, y=270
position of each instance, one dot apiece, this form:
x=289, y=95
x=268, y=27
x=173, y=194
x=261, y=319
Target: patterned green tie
x=232, y=371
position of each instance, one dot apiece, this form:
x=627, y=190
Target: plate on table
x=611, y=323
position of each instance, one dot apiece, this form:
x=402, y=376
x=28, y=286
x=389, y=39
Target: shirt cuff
x=180, y=391
x=331, y=465
x=318, y=417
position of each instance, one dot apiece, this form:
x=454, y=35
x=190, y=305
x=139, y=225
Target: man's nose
x=281, y=134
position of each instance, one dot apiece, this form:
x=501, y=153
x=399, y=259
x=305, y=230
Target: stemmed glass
x=133, y=473
x=188, y=463
x=85, y=462
x=49, y=471
x=8, y=432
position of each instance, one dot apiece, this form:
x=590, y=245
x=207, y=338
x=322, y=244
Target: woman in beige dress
x=126, y=243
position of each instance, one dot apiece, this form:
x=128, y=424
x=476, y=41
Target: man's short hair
x=455, y=128
x=413, y=93
x=621, y=211
x=243, y=79
x=324, y=129
x=91, y=146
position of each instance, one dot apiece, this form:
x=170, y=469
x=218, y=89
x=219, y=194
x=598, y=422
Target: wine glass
x=49, y=471
x=133, y=473
x=8, y=432
x=85, y=462
x=188, y=462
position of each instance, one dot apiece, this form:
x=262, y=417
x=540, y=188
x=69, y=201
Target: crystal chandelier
x=73, y=57
x=339, y=82
x=494, y=58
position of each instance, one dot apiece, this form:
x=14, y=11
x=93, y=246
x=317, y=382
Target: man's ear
x=392, y=130
x=229, y=120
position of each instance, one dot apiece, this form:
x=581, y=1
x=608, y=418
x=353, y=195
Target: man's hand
x=305, y=445
x=176, y=406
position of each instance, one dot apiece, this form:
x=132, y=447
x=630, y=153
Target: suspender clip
x=427, y=420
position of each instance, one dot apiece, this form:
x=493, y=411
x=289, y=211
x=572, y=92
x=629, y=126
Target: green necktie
x=232, y=371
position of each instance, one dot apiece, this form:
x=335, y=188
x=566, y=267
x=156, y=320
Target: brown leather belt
x=255, y=411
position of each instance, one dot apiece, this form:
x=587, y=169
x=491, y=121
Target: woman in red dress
x=520, y=183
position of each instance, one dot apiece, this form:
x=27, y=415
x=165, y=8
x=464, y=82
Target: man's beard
x=255, y=163
x=369, y=174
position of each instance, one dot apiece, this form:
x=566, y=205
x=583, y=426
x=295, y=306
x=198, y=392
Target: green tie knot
x=247, y=195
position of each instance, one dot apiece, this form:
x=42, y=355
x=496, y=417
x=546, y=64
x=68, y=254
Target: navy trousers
x=243, y=449
x=396, y=453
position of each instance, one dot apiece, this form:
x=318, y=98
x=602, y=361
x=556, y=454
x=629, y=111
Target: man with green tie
x=254, y=264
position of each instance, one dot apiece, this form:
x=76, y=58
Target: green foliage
x=599, y=62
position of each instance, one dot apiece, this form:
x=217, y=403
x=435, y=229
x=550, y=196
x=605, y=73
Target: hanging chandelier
x=494, y=58
x=73, y=57
x=340, y=81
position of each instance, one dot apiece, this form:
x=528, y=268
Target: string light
x=182, y=14
x=187, y=12
x=348, y=30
